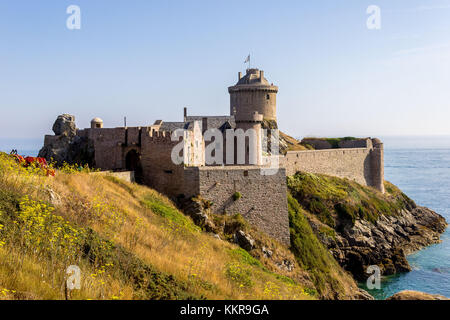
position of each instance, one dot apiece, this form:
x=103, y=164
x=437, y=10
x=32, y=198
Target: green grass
x=169, y=212
x=328, y=232
x=244, y=257
x=309, y=251
x=337, y=202
x=240, y=274
x=334, y=142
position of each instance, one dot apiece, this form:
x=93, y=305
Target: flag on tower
x=247, y=59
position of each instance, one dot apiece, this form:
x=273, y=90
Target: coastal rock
x=65, y=145
x=244, y=240
x=202, y=220
x=286, y=265
x=416, y=295
x=266, y=252
x=198, y=214
x=362, y=295
x=385, y=243
x=65, y=125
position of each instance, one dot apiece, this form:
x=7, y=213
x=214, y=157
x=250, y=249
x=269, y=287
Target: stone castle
x=147, y=152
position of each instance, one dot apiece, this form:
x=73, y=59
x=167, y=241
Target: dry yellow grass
x=178, y=251
x=142, y=222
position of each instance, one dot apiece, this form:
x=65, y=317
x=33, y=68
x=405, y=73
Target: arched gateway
x=133, y=163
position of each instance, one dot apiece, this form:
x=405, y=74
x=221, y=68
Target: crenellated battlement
x=154, y=136
x=159, y=135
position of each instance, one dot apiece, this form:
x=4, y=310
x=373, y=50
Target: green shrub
x=234, y=223
x=345, y=213
x=237, y=195
x=319, y=209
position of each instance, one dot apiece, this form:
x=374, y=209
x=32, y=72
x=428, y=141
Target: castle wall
x=358, y=143
x=155, y=149
x=127, y=176
x=159, y=171
x=133, y=136
x=108, y=144
x=377, y=169
x=363, y=165
x=263, y=202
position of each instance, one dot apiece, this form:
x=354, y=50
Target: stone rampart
x=363, y=165
x=260, y=199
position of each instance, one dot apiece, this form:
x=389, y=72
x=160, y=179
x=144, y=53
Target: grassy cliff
x=340, y=202
x=129, y=241
x=361, y=226
x=330, y=280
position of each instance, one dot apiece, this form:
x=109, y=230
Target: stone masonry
x=263, y=198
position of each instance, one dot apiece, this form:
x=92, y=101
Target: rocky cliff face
x=65, y=145
x=362, y=227
x=385, y=243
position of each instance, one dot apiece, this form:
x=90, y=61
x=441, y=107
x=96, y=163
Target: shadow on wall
x=368, y=171
x=226, y=204
x=133, y=163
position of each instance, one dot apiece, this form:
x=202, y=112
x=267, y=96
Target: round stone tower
x=253, y=93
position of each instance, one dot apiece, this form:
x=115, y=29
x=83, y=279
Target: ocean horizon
x=31, y=146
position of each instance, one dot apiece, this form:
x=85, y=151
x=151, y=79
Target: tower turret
x=96, y=123
x=253, y=93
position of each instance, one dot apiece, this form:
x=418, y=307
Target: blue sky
x=148, y=59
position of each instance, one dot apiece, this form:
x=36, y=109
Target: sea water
x=424, y=175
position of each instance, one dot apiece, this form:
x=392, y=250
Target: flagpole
x=247, y=60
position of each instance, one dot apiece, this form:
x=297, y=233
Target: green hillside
x=131, y=242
